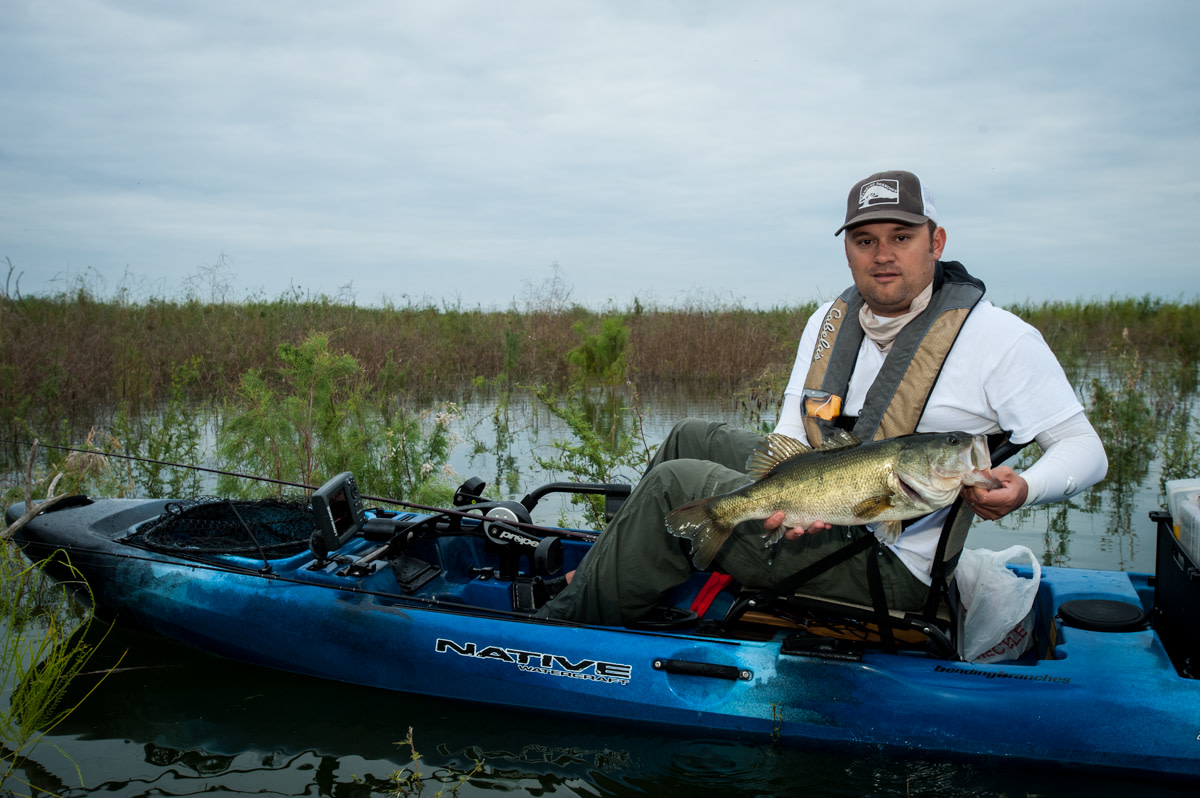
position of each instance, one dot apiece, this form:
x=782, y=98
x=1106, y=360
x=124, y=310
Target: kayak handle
x=689, y=667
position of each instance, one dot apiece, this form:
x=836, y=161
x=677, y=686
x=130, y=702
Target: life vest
x=897, y=399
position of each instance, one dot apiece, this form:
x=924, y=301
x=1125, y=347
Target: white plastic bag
x=998, y=621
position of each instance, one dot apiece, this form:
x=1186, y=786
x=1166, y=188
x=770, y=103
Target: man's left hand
x=998, y=502
x=775, y=520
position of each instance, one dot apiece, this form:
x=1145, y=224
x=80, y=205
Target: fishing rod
x=580, y=534
x=151, y=460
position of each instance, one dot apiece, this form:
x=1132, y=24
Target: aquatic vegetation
x=42, y=641
x=601, y=358
x=410, y=781
x=607, y=443
x=41, y=651
x=317, y=416
x=172, y=436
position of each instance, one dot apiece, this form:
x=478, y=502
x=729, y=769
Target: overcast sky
x=460, y=151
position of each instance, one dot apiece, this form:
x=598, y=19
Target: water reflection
x=175, y=722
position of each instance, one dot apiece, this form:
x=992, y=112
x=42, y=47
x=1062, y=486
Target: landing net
x=271, y=527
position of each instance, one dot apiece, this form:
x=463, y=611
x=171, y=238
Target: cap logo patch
x=879, y=192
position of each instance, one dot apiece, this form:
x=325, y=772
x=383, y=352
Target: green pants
x=636, y=560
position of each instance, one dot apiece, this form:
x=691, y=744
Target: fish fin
x=889, y=531
x=697, y=522
x=771, y=452
x=773, y=536
x=869, y=508
x=839, y=439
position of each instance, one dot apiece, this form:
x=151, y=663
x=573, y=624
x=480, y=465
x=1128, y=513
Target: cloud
x=459, y=149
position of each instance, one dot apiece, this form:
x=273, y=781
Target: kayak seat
x=860, y=623
x=930, y=628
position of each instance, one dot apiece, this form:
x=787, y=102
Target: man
x=911, y=346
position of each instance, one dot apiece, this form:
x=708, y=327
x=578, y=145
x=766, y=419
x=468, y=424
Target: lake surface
x=174, y=722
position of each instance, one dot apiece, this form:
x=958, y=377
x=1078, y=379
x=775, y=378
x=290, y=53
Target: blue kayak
x=440, y=602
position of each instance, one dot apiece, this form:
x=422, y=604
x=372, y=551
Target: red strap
x=704, y=599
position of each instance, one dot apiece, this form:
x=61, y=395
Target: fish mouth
x=908, y=489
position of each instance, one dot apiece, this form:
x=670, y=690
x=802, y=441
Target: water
x=173, y=722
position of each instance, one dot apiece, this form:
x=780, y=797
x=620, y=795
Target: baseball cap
x=889, y=197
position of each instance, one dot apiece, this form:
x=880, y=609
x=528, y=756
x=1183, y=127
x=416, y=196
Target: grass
x=42, y=640
x=68, y=362
x=41, y=651
x=72, y=359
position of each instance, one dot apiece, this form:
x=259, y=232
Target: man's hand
x=998, y=502
x=775, y=520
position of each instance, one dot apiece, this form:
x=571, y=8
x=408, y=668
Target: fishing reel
x=500, y=523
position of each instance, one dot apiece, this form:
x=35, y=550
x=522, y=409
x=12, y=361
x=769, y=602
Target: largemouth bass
x=843, y=483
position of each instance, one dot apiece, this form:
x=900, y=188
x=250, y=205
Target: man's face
x=892, y=263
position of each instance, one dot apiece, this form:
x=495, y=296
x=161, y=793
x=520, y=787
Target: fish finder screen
x=343, y=515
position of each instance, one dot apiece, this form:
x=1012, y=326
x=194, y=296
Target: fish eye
x=952, y=439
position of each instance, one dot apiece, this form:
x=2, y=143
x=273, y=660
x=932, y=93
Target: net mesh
x=272, y=527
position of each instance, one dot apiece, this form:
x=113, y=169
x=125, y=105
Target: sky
x=467, y=153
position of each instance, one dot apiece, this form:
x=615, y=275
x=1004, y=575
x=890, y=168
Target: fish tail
x=699, y=523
